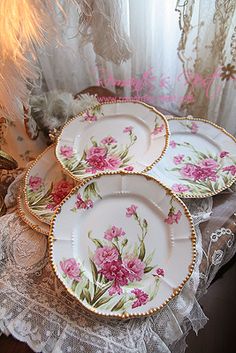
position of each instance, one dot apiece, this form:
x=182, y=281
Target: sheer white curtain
x=179, y=49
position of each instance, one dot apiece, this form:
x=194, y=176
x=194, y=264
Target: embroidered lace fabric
x=36, y=309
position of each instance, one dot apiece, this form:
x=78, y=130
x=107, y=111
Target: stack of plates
x=121, y=241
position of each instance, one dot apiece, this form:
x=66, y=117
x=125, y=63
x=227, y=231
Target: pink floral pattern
x=108, y=140
x=173, y=216
x=135, y=268
x=129, y=168
x=158, y=129
x=71, y=269
x=84, y=204
x=106, y=155
x=128, y=129
x=116, y=272
x=35, y=183
x=89, y=117
x=141, y=298
x=231, y=169
x=208, y=163
x=160, y=272
x=178, y=159
x=115, y=265
x=130, y=211
x=92, y=114
x=173, y=144
x=43, y=199
x=60, y=191
x=192, y=126
x=113, y=232
x=201, y=172
x=105, y=254
x=66, y=151
x=224, y=154
x=85, y=201
x=180, y=188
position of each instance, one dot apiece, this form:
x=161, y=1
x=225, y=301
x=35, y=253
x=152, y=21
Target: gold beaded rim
x=176, y=291
x=207, y=194
x=151, y=108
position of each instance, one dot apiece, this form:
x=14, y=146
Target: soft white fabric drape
x=179, y=49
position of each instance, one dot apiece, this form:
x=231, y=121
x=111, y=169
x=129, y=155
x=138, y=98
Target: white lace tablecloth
x=36, y=309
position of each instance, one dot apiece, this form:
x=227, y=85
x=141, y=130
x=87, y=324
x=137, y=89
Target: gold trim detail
x=22, y=215
x=192, y=237
x=197, y=196
x=151, y=108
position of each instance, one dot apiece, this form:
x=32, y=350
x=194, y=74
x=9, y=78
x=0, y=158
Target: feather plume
x=22, y=24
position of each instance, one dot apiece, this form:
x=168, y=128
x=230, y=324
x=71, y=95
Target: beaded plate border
x=176, y=290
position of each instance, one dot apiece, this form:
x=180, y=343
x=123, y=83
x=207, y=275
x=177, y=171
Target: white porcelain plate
x=128, y=136
x=200, y=161
x=122, y=244
x=28, y=218
x=46, y=185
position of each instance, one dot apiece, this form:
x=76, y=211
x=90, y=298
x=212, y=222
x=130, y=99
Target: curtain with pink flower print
x=183, y=57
